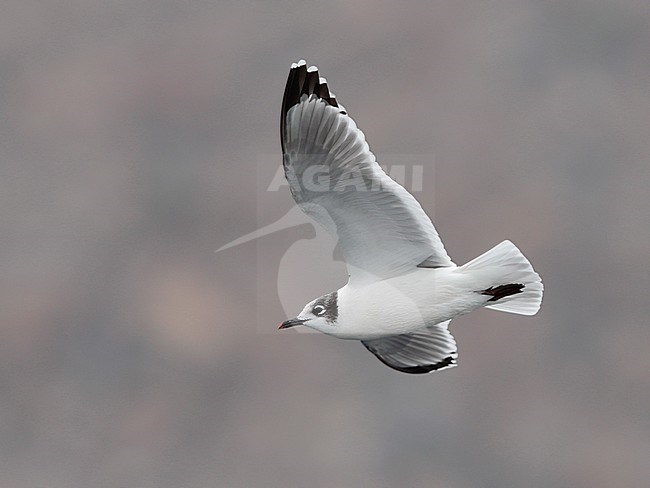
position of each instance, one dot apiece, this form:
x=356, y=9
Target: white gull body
x=403, y=288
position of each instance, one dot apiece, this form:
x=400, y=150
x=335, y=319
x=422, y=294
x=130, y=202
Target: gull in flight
x=403, y=288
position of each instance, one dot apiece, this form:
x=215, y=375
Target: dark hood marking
x=330, y=302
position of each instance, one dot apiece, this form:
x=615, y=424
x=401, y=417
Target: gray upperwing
x=380, y=227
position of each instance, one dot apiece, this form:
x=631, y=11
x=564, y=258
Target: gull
x=403, y=289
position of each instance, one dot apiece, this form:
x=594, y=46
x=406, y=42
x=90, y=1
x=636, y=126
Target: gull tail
x=508, y=278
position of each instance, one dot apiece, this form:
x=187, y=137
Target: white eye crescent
x=318, y=310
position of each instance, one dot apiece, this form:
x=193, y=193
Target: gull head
x=320, y=314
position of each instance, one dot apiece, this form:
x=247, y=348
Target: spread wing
x=430, y=349
x=381, y=229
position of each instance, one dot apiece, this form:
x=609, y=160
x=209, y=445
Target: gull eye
x=318, y=310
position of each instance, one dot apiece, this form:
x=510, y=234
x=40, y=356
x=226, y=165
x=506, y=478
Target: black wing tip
x=447, y=362
x=305, y=80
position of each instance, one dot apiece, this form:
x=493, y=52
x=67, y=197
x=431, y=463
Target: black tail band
x=502, y=291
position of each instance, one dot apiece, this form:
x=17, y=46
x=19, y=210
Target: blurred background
x=132, y=355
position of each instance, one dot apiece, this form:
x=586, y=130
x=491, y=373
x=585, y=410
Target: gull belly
x=404, y=303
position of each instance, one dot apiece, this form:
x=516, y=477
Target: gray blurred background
x=132, y=355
